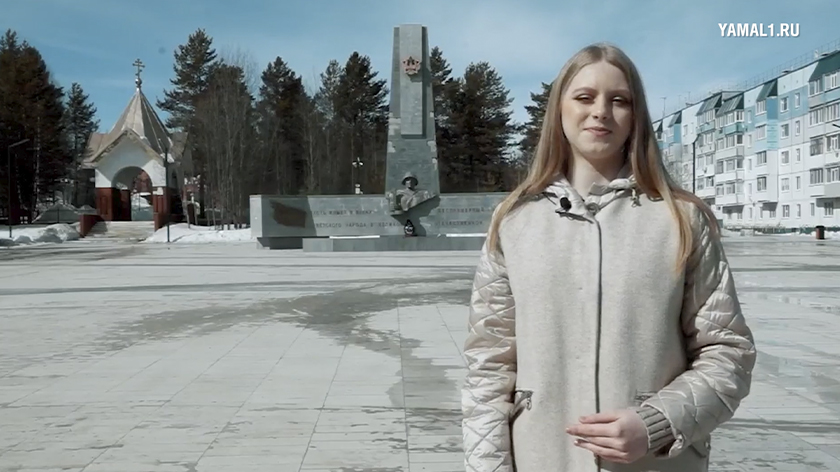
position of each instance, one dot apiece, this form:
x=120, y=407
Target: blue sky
x=677, y=45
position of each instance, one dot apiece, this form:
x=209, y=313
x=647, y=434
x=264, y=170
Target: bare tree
x=224, y=118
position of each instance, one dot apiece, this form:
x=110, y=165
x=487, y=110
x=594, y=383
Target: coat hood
x=599, y=194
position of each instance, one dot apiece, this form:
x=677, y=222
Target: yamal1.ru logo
x=758, y=30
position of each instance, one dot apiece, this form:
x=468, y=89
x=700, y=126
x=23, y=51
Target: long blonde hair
x=553, y=153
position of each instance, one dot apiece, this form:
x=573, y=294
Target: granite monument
x=412, y=215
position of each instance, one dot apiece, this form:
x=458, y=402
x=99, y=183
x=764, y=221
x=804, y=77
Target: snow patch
x=57, y=233
x=185, y=234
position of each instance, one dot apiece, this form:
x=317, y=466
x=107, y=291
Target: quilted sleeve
x=719, y=345
x=490, y=352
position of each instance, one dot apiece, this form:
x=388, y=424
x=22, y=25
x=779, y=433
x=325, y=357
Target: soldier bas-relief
x=408, y=197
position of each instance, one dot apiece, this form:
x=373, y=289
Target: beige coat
x=584, y=311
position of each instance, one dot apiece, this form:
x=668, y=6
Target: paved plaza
x=141, y=357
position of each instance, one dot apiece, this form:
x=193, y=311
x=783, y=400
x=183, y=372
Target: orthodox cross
x=140, y=66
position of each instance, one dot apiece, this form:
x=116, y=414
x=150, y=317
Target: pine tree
x=533, y=128
x=81, y=123
x=363, y=112
x=32, y=108
x=193, y=63
x=327, y=104
x=481, y=123
x=280, y=111
x=444, y=90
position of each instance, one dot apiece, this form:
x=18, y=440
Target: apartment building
x=767, y=156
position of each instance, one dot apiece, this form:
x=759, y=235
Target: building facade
x=767, y=157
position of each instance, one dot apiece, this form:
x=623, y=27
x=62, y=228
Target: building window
x=719, y=190
x=817, y=176
x=761, y=158
x=797, y=127
x=832, y=174
x=739, y=116
x=798, y=210
x=783, y=104
x=816, y=146
x=815, y=87
x=798, y=182
x=832, y=112
x=719, y=167
x=760, y=107
x=761, y=184
x=730, y=141
x=831, y=81
x=798, y=155
x=730, y=188
x=832, y=143
x=761, y=132
x=797, y=100
x=785, y=211
x=828, y=208
x=785, y=184
x=785, y=157
x=816, y=117
x=750, y=212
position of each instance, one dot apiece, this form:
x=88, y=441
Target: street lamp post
x=694, y=165
x=168, y=199
x=9, y=175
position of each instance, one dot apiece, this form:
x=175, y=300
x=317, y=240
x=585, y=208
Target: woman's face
x=597, y=113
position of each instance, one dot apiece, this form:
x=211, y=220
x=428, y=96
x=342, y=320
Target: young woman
x=605, y=330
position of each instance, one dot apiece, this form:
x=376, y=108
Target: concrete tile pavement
x=216, y=358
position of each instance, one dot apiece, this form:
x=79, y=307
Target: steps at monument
x=125, y=230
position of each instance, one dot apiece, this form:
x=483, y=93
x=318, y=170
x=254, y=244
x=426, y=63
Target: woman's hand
x=617, y=436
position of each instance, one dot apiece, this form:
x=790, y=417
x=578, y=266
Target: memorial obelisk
x=411, y=128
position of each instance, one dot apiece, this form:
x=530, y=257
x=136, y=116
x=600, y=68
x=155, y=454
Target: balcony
x=737, y=127
x=732, y=199
x=733, y=151
x=707, y=126
x=816, y=190
x=831, y=190
x=832, y=157
x=705, y=149
x=816, y=100
x=729, y=176
x=706, y=192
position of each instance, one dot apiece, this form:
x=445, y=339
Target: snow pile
x=183, y=234
x=57, y=233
